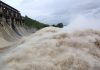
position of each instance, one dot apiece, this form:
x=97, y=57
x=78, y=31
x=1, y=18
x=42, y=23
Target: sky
x=56, y=11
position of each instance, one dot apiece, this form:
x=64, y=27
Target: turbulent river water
x=50, y=48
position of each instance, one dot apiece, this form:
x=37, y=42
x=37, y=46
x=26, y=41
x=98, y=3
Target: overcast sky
x=55, y=11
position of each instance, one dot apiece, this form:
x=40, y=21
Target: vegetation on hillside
x=33, y=23
x=36, y=24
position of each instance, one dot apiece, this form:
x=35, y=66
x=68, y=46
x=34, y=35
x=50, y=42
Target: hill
x=33, y=23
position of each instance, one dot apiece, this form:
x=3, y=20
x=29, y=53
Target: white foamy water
x=53, y=49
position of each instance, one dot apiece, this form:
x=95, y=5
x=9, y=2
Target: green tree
x=60, y=25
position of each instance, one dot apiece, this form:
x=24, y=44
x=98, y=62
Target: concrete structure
x=9, y=16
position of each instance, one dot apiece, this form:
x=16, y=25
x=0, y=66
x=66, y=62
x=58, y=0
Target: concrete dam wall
x=12, y=27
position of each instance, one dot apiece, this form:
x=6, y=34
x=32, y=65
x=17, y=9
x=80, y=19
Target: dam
x=49, y=48
x=9, y=15
x=11, y=22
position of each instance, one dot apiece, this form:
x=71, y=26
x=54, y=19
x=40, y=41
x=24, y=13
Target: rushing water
x=54, y=49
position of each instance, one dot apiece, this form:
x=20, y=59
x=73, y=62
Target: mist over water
x=83, y=22
x=74, y=47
